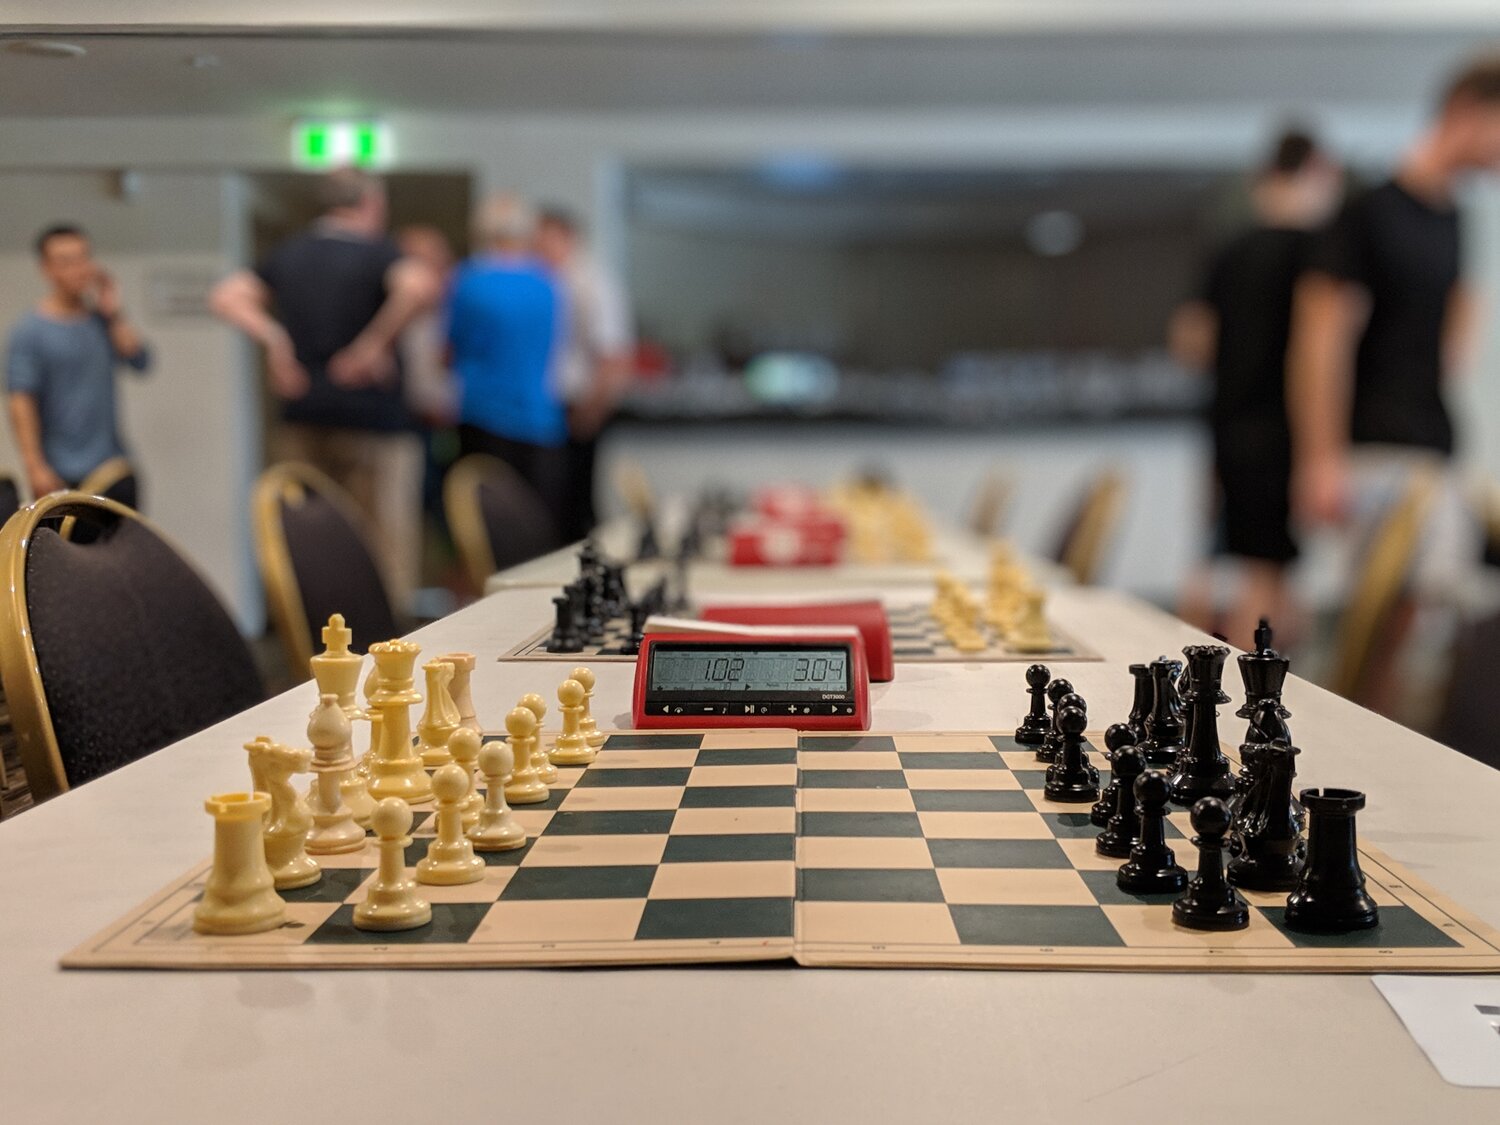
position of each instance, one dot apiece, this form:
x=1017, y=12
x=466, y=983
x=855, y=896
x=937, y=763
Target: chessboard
x=916, y=638
x=894, y=849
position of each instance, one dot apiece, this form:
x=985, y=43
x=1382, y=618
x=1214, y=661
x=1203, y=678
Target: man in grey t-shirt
x=60, y=366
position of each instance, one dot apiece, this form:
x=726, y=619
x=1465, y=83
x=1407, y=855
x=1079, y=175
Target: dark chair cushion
x=516, y=521
x=10, y=498
x=135, y=651
x=334, y=571
x=1470, y=722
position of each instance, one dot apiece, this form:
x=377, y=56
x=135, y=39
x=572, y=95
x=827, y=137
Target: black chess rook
x=1330, y=897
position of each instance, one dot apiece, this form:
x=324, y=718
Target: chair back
x=315, y=561
x=1470, y=716
x=10, y=498
x=1090, y=531
x=991, y=503
x=496, y=518
x=112, y=648
x=1379, y=584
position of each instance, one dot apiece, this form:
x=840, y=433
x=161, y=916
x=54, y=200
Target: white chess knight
x=271, y=769
x=497, y=829
x=334, y=829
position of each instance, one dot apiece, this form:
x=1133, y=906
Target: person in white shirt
x=594, y=364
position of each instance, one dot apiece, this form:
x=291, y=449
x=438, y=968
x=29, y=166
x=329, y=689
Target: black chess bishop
x=1202, y=769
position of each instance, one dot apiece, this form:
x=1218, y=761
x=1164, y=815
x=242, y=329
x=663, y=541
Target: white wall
x=190, y=424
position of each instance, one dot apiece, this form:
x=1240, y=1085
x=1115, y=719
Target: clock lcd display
x=707, y=670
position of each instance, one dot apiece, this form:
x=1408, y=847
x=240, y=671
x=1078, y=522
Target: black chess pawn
x=1116, y=738
x=639, y=612
x=1202, y=770
x=1140, y=705
x=1267, y=845
x=646, y=546
x=1330, y=897
x=1034, y=727
x=1052, y=742
x=1152, y=868
x=1124, y=827
x=1264, y=674
x=681, y=600
x=1071, y=779
x=564, y=636
x=1163, y=741
x=616, y=597
x=1210, y=903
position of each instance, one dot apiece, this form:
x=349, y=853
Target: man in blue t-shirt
x=505, y=323
x=60, y=366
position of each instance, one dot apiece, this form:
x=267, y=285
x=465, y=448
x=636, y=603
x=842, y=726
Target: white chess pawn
x=586, y=724
x=497, y=830
x=1030, y=633
x=572, y=748
x=525, y=787
x=464, y=745
x=271, y=769
x=334, y=830
x=450, y=858
x=540, y=756
x=391, y=902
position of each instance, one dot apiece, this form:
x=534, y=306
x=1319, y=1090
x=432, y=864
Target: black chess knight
x=1267, y=846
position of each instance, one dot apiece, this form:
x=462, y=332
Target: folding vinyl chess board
x=915, y=849
x=916, y=638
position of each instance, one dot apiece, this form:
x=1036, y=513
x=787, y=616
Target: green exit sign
x=338, y=143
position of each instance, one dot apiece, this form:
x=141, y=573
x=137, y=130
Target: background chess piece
x=273, y=765
x=1330, y=897
x=450, y=858
x=240, y=895
x=334, y=830
x=496, y=829
x=391, y=903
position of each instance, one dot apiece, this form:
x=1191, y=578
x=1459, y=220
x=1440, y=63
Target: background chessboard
x=916, y=849
x=916, y=638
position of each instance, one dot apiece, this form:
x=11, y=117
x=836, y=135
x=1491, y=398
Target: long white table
x=767, y=1044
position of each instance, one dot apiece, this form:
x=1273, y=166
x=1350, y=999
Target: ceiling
x=487, y=71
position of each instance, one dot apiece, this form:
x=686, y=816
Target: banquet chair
x=496, y=518
x=1090, y=531
x=112, y=648
x=113, y=480
x=991, y=503
x=10, y=497
x=315, y=561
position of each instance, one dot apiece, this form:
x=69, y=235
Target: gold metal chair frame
x=36, y=740
x=991, y=503
x=1377, y=588
x=1098, y=516
x=465, y=515
x=290, y=481
x=97, y=483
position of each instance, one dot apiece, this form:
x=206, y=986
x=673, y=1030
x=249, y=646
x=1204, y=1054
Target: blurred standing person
x=328, y=306
x=60, y=366
x=1381, y=320
x=595, y=366
x=505, y=325
x=430, y=392
x=1237, y=329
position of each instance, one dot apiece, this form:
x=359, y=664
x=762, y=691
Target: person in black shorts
x=1237, y=328
x=1381, y=321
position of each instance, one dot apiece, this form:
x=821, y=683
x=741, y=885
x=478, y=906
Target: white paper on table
x=1455, y=1020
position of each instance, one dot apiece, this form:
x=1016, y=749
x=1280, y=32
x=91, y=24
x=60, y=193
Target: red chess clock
x=808, y=682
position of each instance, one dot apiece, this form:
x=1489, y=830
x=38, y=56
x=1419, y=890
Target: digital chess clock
x=807, y=682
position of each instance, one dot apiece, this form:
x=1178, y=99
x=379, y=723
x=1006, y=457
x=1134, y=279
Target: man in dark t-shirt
x=1237, y=328
x=1379, y=322
x=328, y=306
